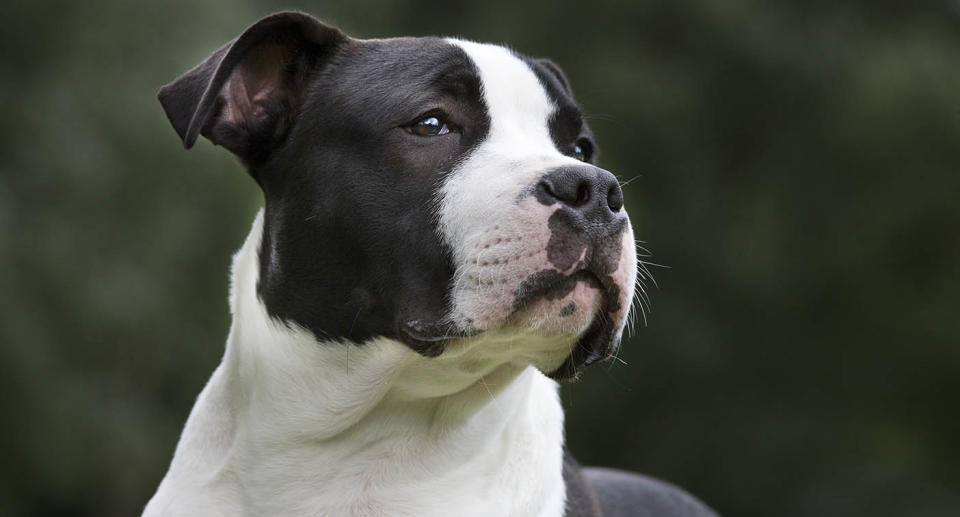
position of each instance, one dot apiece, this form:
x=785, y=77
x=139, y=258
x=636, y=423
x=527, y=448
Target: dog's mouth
x=581, y=306
x=553, y=285
x=430, y=338
x=600, y=338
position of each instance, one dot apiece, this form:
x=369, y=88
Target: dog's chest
x=379, y=486
x=406, y=459
x=482, y=469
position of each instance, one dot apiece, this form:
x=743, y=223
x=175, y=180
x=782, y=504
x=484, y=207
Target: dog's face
x=421, y=189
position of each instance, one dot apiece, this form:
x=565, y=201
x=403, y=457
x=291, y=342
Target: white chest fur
x=291, y=427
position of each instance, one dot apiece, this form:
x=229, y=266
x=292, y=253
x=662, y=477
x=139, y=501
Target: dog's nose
x=589, y=190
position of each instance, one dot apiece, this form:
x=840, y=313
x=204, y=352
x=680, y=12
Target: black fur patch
x=568, y=126
x=350, y=247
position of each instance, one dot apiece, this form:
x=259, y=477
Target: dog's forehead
x=391, y=74
x=517, y=101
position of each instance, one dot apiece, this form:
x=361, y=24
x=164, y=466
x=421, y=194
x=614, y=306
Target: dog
x=435, y=252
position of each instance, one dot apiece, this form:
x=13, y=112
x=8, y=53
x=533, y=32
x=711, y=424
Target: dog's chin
x=575, y=320
x=568, y=354
x=570, y=314
x=597, y=343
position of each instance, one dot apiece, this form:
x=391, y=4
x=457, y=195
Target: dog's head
x=428, y=190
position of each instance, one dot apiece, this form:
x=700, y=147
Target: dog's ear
x=556, y=72
x=244, y=96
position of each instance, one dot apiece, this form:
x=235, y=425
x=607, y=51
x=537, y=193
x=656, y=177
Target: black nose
x=589, y=190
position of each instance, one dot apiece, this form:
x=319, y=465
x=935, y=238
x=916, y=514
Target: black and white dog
x=435, y=252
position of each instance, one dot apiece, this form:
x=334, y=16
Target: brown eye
x=429, y=126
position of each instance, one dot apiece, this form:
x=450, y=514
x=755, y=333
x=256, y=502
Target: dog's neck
x=372, y=429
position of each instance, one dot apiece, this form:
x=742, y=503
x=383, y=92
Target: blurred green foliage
x=795, y=164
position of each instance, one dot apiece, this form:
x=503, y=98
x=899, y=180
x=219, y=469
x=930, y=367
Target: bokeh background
x=795, y=164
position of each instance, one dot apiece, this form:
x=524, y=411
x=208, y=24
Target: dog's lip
x=431, y=335
x=561, y=287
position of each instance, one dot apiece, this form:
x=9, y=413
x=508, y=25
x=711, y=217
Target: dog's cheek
x=499, y=258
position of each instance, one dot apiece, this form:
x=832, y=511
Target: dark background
x=796, y=168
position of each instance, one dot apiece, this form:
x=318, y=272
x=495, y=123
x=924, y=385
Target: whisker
x=648, y=263
x=629, y=181
x=646, y=273
x=600, y=116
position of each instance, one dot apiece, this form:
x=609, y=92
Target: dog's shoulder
x=602, y=492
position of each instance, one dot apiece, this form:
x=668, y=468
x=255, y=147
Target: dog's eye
x=429, y=126
x=582, y=150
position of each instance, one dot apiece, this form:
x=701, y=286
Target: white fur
x=499, y=239
x=291, y=427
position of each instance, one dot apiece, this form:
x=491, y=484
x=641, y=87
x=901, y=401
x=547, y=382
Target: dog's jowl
x=436, y=250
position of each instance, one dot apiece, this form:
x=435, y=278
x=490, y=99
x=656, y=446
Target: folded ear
x=245, y=95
